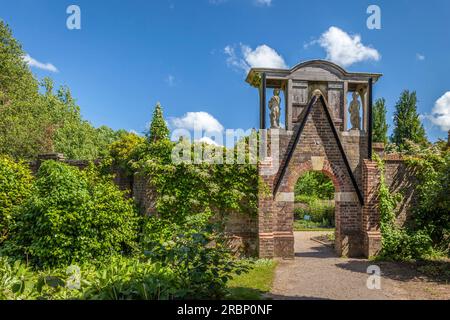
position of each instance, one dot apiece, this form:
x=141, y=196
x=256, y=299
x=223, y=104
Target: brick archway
x=339, y=182
x=316, y=145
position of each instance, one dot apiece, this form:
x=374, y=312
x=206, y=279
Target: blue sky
x=192, y=55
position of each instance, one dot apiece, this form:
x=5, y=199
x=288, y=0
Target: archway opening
x=314, y=209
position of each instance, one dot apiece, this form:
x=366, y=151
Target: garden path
x=318, y=273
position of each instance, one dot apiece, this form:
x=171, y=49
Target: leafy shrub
x=432, y=210
x=15, y=186
x=403, y=245
x=73, y=216
x=197, y=254
x=125, y=279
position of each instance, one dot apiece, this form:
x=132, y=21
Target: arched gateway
x=328, y=128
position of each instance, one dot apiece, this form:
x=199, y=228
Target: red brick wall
x=401, y=179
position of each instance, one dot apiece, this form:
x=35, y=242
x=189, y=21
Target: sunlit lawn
x=252, y=285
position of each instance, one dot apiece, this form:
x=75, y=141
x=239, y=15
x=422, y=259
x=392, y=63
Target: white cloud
x=208, y=140
x=345, y=49
x=170, y=80
x=440, y=115
x=197, y=121
x=267, y=3
x=262, y=57
x=40, y=65
x=420, y=57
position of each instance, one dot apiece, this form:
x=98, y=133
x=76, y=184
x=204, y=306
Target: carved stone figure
x=354, y=109
x=274, y=106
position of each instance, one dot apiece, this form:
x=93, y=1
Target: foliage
x=318, y=211
x=125, y=150
x=380, y=126
x=118, y=278
x=195, y=251
x=158, y=127
x=73, y=136
x=15, y=187
x=184, y=189
x=315, y=184
x=73, y=216
x=20, y=133
x=16, y=280
x=308, y=225
x=398, y=243
x=407, y=124
x=314, y=192
x=16, y=81
x=432, y=210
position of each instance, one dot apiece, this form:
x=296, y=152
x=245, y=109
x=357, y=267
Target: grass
x=252, y=285
x=304, y=225
x=435, y=265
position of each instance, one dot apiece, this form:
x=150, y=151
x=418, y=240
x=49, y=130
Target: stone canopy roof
x=275, y=77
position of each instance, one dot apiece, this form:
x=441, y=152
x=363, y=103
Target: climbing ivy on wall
x=185, y=189
x=397, y=243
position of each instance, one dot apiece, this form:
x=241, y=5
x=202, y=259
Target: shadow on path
x=400, y=271
x=319, y=252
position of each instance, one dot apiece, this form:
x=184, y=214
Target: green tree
x=158, y=127
x=407, y=124
x=125, y=150
x=21, y=125
x=380, y=126
x=316, y=185
x=33, y=123
x=16, y=81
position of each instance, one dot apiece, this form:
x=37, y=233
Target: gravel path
x=317, y=273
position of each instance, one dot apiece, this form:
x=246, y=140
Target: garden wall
x=241, y=228
x=400, y=179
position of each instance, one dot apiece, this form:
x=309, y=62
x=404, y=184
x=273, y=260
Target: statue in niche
x=274, y=106
x=354, y=110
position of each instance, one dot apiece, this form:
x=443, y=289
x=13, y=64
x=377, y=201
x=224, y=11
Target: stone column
x=371, y=216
